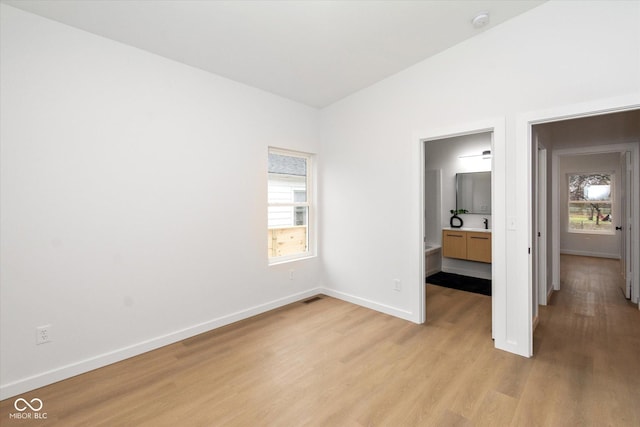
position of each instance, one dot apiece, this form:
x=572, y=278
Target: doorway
x=586, y=148
x=443, y=156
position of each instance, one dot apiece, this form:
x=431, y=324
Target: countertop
x=481, y=230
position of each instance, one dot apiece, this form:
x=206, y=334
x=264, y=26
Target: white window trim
x=309, y=204
x=613, y=204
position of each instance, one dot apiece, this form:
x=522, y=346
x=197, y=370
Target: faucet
x=486, y=223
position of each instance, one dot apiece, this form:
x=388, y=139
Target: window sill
x=592, y=232
x=290, y=260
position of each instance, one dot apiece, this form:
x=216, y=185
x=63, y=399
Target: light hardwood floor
x=330, y=363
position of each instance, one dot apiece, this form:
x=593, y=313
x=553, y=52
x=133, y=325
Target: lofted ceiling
x=313, y=52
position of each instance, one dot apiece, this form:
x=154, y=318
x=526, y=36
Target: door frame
x=540, y=236
x=627, y=231
x=524, y=123
x=634, y=148
x=498, y=202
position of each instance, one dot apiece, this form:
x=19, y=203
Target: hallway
x=587, y=349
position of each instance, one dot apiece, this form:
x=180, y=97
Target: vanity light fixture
x=486, y=154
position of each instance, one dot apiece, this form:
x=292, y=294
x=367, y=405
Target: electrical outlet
x=397, y=286
x=43, y=334
x=291, y=274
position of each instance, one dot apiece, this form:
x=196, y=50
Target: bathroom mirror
x=473, y=192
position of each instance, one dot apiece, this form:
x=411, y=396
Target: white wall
x=444, y=154
x=433, y=206
x=119, y=224
x=558, y=54
x=598, y=245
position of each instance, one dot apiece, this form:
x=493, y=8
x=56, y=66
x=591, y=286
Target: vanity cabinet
x=454, y=244
x=468, y=245
x=479, y=246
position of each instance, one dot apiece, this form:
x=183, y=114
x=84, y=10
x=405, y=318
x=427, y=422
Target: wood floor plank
x=331, y=363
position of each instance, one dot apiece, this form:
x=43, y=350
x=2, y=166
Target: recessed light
x=480, y=20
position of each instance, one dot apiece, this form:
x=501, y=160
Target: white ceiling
x=313, y=52
x=605, y=129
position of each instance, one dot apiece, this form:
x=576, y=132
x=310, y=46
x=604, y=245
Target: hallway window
x=591, y=203
x=289, y=205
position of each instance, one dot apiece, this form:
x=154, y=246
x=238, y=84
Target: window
x=289, y=205
x=591, y=203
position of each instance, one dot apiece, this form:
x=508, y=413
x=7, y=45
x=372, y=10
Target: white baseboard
x=58, y=374
x=433, y=271
x=64, y=372
x=383, y=308
x=589, y=253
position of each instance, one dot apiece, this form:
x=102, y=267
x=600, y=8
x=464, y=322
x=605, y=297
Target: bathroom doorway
x=446, y=159
x=457, y=177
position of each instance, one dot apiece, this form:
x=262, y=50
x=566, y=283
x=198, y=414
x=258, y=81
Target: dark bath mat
x=463, y=283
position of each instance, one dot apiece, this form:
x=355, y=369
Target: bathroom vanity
x=471, y=244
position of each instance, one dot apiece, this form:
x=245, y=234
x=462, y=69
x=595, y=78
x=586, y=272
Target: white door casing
x=524, y=124
x=541, y=235
x=626, y=222
x=498, y=142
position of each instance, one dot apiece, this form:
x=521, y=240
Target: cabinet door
x=479, y=246
x=454, y=244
